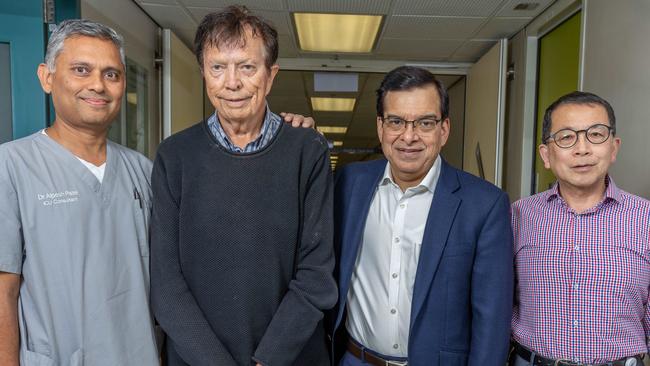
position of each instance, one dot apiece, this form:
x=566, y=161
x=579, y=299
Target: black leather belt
x=523, y=352
x=370, y=358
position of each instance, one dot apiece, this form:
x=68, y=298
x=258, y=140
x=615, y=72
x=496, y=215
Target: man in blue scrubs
x=74, y=254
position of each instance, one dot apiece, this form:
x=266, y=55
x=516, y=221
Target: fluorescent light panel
x=322, y=104
x=319, y=32
x=331, y=129
x=336, y=82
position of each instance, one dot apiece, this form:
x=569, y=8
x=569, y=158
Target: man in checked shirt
x=582, y=249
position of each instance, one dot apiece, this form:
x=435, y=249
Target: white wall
x=615, y=66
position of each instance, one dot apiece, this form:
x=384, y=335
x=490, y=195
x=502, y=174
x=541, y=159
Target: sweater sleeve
x=173, y=304
x=312, y=289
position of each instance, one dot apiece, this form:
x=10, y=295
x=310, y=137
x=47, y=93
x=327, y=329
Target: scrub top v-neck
x=82, y=249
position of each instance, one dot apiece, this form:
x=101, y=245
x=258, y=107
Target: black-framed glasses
x=567, y=137
x=397, y=125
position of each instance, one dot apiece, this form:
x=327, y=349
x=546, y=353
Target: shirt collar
x=612, y=192
x=428, y=182
x=552, y=193
x=268, y=127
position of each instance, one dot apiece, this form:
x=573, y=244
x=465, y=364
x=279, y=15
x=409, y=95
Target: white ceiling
x=412, y=30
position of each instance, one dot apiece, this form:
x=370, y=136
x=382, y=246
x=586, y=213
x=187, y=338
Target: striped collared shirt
x=582, y=278
x=270, y=126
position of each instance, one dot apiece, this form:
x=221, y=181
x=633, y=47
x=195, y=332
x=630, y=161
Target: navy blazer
x=463, y=292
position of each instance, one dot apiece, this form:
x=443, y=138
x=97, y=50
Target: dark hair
x=410, y=77
x=228, y=28
x=576, y=97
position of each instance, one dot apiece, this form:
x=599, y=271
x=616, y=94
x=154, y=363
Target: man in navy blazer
x=424, y=250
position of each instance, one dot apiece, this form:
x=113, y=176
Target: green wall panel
x=559, y=66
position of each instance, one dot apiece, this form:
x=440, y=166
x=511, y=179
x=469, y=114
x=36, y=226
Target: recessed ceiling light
x=332, y=104
x=319, y=32
x=331, y=129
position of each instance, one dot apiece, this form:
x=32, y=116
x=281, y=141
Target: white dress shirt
x=381, y=287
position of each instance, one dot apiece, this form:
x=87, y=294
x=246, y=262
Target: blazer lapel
x=441, y=216
x=361, y=193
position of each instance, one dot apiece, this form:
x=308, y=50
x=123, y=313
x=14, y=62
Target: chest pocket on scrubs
x=142, y=213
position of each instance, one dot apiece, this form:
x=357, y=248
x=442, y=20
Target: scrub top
x=82, y=249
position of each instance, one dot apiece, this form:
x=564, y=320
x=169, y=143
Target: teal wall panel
x=21, y=25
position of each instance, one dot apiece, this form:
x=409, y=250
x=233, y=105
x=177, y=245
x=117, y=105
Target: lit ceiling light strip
x=331, y=129
x=322, y=104
x=319, y=32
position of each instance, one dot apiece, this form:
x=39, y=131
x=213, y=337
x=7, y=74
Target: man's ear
x=380, y=129
x=45, y=77
x=445, y=129
x=617, y=145
x=273, y=71
x=543, y=153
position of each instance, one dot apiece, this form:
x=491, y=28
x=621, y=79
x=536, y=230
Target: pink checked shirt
x=582, y=279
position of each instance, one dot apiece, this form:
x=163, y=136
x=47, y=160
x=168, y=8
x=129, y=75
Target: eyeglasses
x=567, y=137
x=397, y=125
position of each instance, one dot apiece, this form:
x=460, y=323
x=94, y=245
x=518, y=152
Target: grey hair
x=80, y=27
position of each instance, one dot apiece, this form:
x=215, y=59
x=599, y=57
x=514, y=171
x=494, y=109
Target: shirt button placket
x=395, y=264
x=576, y=271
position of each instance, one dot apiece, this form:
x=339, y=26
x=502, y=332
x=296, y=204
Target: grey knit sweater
x=241, y=249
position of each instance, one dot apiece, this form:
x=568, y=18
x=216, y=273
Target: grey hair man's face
x=237, y=80
x=88, y=84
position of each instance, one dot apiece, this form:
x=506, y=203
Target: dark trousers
x=349, y=360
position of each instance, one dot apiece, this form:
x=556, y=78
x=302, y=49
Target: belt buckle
x=396, y=363
x=561, y=362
